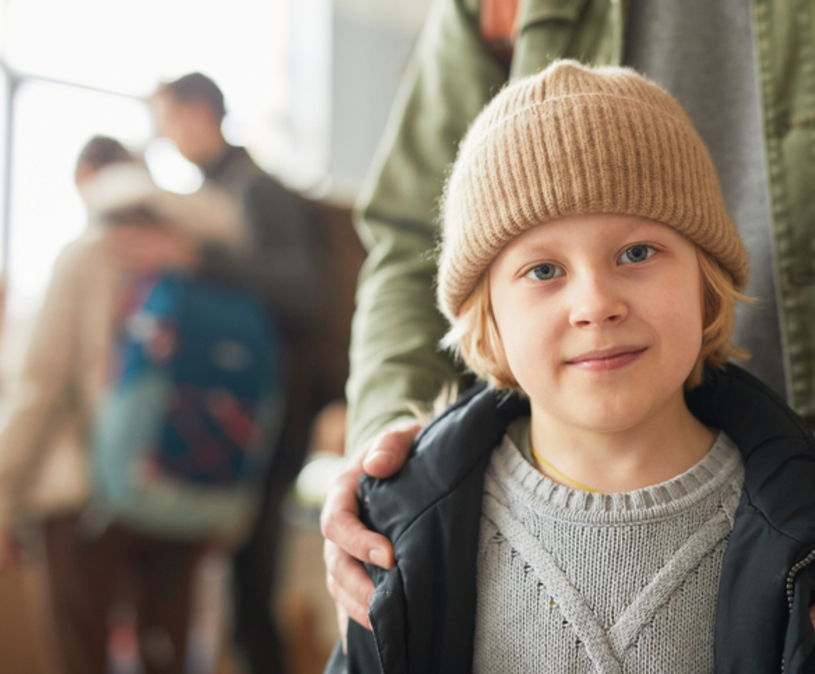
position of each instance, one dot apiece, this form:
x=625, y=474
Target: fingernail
x=380, y=457
x=379, y=558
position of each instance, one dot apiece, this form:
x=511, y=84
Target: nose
x=596, y=301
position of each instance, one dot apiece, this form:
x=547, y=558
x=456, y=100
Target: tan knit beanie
x=571, y=140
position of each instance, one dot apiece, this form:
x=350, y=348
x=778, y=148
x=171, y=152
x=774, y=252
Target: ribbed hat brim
x=572, y=141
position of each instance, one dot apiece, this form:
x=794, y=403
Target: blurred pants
x=88, y=576
x=255, y=565
x=256, y=635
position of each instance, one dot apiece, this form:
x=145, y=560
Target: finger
x=340, y=523
x=344, y=574
x=348, y=574
x=812, y=614
x=344, y=529
x=342, y=626
x=341, y=496
x=355, y=610
x=389, y=451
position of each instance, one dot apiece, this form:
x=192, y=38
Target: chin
x=617, y=417
x=610, y=426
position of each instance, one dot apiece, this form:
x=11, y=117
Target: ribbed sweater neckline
x=513, y=480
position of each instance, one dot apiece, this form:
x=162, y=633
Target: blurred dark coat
x=283, y=265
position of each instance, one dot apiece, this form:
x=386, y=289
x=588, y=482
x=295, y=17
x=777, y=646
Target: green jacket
x=395, y=360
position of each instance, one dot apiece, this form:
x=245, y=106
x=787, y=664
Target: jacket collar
x=224, y=162
x=772, y=439
x=763, y=602
x=774, y=442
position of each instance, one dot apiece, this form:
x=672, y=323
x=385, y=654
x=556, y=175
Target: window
x=85, y=67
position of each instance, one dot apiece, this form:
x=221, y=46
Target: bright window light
x=270, y=57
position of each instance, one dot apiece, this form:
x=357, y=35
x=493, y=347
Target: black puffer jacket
x=423, y=611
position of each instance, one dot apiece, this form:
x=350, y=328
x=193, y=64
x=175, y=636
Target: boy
x=605, y=520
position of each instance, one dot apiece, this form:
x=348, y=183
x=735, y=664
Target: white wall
x=373, y=41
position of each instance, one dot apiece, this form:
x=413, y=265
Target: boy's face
x=600, y=317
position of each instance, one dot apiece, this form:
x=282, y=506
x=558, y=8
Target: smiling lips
x=607, y=359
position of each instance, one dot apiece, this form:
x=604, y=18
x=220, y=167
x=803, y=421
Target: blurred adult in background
x=742, y=69
x=283, y=265
x=45, y=429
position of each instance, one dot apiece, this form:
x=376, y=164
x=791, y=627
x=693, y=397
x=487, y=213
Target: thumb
x=389, y=451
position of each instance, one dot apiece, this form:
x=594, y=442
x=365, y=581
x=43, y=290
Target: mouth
x=607, y=359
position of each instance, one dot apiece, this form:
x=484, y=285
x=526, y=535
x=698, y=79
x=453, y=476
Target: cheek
x=527, y=338
x=678, y=316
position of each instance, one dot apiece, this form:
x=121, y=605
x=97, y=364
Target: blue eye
x=638, y=253
x=545, y=272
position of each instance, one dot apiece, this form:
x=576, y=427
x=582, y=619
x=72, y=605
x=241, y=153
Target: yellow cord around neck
x=550, y=467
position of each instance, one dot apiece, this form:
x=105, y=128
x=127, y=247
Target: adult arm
x=395, y=360
x=125, y=195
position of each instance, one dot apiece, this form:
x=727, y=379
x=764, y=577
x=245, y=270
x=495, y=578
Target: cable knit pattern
x=571, y=581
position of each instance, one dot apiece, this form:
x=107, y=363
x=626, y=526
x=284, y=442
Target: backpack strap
x=499, y=27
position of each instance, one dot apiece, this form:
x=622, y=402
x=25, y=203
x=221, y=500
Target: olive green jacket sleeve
x=395, y=359
x=784, y=32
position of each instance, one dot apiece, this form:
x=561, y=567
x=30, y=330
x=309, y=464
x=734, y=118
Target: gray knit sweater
x=570, y=581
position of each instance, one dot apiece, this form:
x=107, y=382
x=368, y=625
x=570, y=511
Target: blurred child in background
x=44, y=434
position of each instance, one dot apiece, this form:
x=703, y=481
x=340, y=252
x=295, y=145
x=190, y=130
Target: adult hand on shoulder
x=347, y=539
x=150, y=248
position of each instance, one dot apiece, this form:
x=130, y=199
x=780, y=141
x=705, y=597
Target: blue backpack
x=194, y=402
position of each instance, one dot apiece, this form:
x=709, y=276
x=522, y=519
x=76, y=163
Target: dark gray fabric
x=283, y=266
x=422, y=610
x=283, y=263
x=702, y=53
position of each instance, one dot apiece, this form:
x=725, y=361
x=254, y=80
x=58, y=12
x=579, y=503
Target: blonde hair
x=474, y=336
